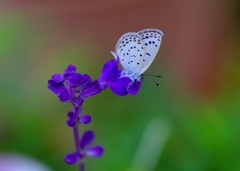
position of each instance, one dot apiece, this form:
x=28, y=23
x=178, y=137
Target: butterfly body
x=136, y=51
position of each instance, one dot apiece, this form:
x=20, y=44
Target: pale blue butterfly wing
x=130, y=49
x=136, y=51
x=152, y=40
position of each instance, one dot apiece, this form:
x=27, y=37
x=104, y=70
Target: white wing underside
x=152, y=39
x=137, y=51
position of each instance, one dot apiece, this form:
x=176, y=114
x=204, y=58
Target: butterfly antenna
x=158, y=76
x=143, y=77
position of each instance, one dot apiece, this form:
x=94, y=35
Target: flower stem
x=81, y=165
x=76, y=139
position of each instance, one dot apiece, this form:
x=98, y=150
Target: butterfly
x=137, y=50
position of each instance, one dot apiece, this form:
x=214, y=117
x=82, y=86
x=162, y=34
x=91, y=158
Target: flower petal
x=119, y=86
x=110, y=72
x=71, y=69
x=60, y=90
x=71, y=114
x=133, y=89
x=64, y=97
x=95, y=151
x=71, y=158
x=87, y=139
x=91, y=90
x=85, y=81
x=57, y=78
x=85, y=119
x=75, y=80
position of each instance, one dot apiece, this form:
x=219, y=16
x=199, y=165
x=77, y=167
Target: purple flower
x=87, y=139
x=71, y=158
x=110, y=72
x=118, y=81
x=85, y=142
x=73, y=87
x=125, y=85
x=85, y=149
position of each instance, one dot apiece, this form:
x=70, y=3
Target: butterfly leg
x=131, y=83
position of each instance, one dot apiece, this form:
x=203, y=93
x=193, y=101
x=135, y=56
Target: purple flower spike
x=87, y=139
x=71, y=158
x=57, y=78
x=71, y=69
x=85, y=119
x=95, y=151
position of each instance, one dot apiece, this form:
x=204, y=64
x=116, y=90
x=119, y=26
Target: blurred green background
x=190, y=123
